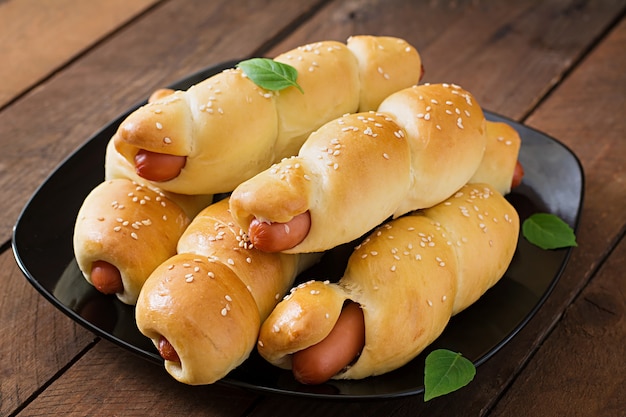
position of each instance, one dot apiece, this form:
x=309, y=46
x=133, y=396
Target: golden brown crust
x=350, y=175
x=129, y=226
x=214, y=234
x=208, y=301
x=498, y=164
x=225, y=125
x=329, y=77
x=446, y=131
x=204, y=311
x=211, y=124
x=117, y=167
x=386, y=65
x=412, y=273
x=353, y=173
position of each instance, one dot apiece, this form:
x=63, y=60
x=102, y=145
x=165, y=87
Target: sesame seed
x=224, y=312
x=228, y=297
x=159, y=125
x=167, y=140
x=134, y=235
x=211, y=274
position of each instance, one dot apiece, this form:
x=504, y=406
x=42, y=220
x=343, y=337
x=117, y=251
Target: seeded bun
x=446, y=131
x=130, y=226
x=350, y=175
x=225, y=121
x=208, y=300
x=353, y=173
x=323, y=97
x=501, y=152
x=118, y=167
x=386, y=65
x=214, y=234
x=204, y=311
x=409, y=277
x=229, y=129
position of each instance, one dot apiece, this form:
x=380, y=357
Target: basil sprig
x=548, y=231
x=446, y=371
x=269, y=74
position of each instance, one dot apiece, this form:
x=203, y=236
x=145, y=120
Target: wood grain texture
x=44, y=342
x=46, y=125
x=592, y=335
x=508, y=54
x=134, y=387
x=38, y=37
x=585, y=353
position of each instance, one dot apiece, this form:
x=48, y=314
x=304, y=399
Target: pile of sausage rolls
x=413, y=173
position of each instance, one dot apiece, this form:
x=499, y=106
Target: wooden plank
x=147, y=390
x=38, y=37
x=584, y=113
x=588, y=346
x=508, y=54
x=41, y=129
x=43, y=342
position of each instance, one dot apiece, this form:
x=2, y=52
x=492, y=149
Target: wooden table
x=69, y=67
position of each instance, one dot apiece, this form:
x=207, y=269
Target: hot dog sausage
x=106, y=278
x=518, y=175
x=158, y=167
x=167, y=351
x=318, y=363
x=276, y=237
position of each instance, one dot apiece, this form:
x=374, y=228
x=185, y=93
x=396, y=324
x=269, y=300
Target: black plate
x=42, y=244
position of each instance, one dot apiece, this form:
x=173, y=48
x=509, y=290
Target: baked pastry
x=412, y=273
x=203, y=307
x=500, y=167
x=353, y=173
x=123, y=231
x=118, y=167
x=225, y=129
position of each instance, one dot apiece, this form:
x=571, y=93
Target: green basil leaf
x=445, y=372
x=269, y=74
x=548, y=231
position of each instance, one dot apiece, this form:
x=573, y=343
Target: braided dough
x=412, y=273
x=229, y=129
x=209, y=300
x=130, y=226
x=353, y=173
